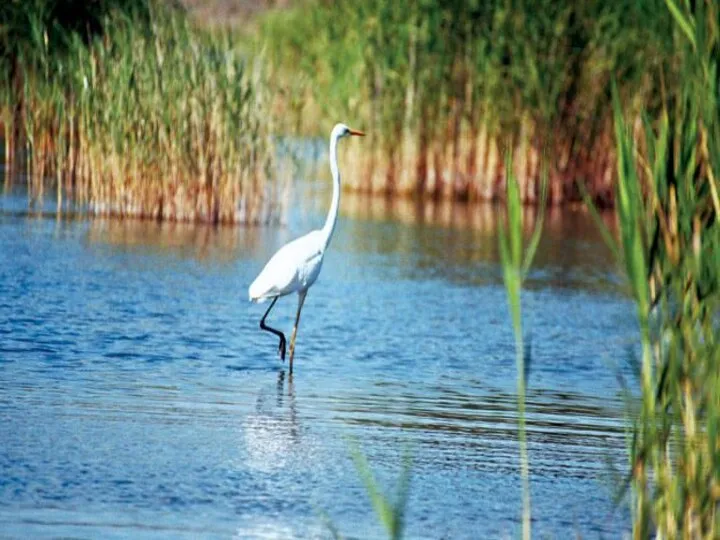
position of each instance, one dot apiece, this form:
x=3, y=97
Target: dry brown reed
x=473, y=170
x=154, y=119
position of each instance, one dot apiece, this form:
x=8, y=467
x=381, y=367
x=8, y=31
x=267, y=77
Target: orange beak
x=358, y=133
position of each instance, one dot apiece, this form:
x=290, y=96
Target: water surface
x=138, y=397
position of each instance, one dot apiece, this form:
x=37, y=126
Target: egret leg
x=301, y=300
x=278, y=333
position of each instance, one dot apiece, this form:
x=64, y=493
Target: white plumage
x=281, y=276
x=296, y=265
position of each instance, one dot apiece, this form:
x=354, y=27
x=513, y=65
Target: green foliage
x=423, y=77
x=27, y=27
x=515, y=265
x=517, y=57
x=670, y=235
x=391, y=515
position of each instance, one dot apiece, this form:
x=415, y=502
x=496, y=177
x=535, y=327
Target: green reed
x=668, y=210
x=390, y=513
x=441, y=86
x=152, y=117
x=516, y=264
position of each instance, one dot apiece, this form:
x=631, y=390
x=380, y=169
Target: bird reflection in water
x=272, y=434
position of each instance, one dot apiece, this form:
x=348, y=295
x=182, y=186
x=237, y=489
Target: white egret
x=296, y=265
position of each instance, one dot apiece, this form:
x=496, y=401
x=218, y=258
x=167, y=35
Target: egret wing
x=287, y=270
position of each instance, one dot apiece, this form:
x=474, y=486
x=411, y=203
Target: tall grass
x=668, y=210
x=150, y=118
x=446, y=88
x=516, y=263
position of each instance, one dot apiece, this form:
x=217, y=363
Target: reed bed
x=668, y=212
x=149, y=118
x=446, y=88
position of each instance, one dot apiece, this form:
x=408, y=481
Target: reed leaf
x=516, y=264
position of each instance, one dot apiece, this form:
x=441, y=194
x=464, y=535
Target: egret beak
x=358, y=133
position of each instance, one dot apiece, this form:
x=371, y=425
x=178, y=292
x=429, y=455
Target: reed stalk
x=516, y=262
x=668, y=213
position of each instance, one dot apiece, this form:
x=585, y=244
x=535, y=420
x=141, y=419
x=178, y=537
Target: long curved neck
x=329, y=226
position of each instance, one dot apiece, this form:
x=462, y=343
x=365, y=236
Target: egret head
x=341, y=130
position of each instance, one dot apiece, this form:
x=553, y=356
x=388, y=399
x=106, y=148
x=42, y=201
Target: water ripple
x=139, y=398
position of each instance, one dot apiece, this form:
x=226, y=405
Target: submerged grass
x=446, y=88
x=148, y=117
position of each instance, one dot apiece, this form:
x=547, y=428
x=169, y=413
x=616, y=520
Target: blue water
x=138, y=397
